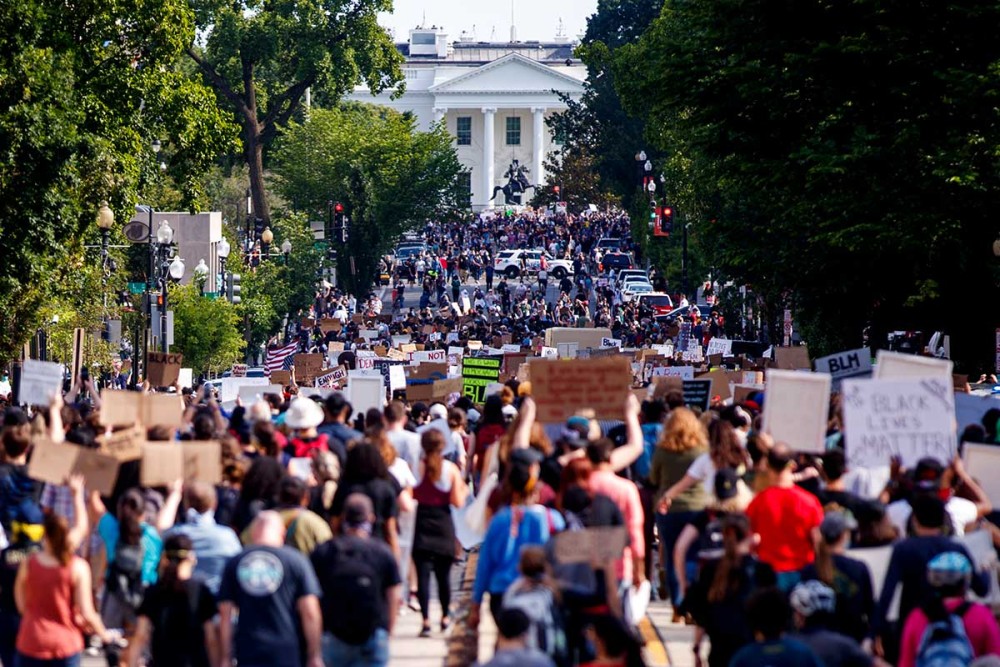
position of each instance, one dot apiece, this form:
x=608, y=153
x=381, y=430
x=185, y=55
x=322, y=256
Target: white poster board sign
x=365, y=392
x=567, y=350
x=397, y=378
x=682, y=372
x=895, y=365
x=40, y=381
x=796, y=406
x=611, y=342
x=911, y=419
x=368, y=334
x=229, y=389
x=849, y=364
x=550, y=353
x=254, y=392
x=722, y=346
x=983, y=463
x=433, y=356
x=186, y=378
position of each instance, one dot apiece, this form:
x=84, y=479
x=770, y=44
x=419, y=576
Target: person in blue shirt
x=523, y=523
x=769, y=613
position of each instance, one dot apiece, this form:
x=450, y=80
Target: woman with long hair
x=175, y=619
x=724, y=451
x=492, y=426
x=682, y=441
x=716, y=599
x=365, y=472
x=52, y=587
x=258, y=491
x=849, y=578
x=441, y=487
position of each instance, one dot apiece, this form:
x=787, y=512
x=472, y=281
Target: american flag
x=280, y=358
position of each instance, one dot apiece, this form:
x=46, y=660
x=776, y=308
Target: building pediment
x=511, y=74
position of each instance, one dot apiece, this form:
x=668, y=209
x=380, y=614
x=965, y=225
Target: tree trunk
x=254, y=150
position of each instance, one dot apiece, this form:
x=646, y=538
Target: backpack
x=547, y=633
x=125, y=574
x=945, y=642
x=353, y=613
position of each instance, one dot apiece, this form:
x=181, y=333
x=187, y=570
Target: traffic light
x=338, y=208
x=654, y=211
x=667, y=219
x=233, y=287
x=343, y=229
x=331, y=254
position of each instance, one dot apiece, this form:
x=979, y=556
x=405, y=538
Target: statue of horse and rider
x=517, y=183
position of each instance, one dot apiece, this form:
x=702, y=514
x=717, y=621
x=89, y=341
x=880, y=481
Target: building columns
x=439, y=114
x=489, y=177
x=538, y=146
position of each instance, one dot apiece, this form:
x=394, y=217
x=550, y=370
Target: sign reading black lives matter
x=479, y=373
x=912, y=419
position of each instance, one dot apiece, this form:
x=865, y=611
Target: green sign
x=136, y=288
x=479, y=373
x=211, y=295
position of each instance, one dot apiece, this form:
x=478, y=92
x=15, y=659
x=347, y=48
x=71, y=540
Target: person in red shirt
x=787, y=520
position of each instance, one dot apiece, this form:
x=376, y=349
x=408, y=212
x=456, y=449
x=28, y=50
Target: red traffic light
x=667, y=211
x=338, y=207
x=555, y=188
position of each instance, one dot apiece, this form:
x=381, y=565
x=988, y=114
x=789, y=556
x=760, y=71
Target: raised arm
x=81, y=525
x=622, y=457
x=525, y=420
x=167, y=515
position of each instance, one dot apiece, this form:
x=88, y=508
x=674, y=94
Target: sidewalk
x=677, y=637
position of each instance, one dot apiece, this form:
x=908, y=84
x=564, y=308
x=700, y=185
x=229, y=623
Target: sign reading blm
x=479, y=373
x=911, y=418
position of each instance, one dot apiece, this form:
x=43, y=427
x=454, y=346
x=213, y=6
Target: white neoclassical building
x=493, y=98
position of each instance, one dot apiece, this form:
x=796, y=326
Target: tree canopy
x=262, y=57
x=389, y=176
x=842, y=157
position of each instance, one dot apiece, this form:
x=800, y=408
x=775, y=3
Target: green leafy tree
x=848, y=153
x=389, y=176
x=83, y=90
x=262, y=57
x=206, y=331
x=573, y=170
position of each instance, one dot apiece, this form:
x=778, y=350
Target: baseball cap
x=835, y=524
x=726, y=483
x=358, y=509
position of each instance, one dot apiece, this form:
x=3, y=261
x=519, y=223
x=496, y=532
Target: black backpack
x=352, y=613
x=125, y=574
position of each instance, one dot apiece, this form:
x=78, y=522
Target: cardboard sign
x=907, y=418
x=722, y=346
x=332, y=379
x=683, y=372
x=53, y=462
x=307, y=323
x=697, y=393
x=720, y=383
x=843, y=365
x=796, y=407
x=895, y=365
x=368, y=334
x=477, y=374
x=983, y=463
x=164, y=368
x=792, y=358
x=595, y=546
x=429, y=371
x=328, y=324
x=743, y=392
x=611, y=342
x=335, y=346
x=444, y=388
x=165, y=462
x=283, y=378
x=307, y=367
x=124, y=408
x=560, y=388
x=40, y=382
x=238, y=371
x=125, y=445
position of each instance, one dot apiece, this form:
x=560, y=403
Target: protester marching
x=523, y=430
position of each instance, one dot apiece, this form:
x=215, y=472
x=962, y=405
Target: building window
x=513, y=131
x=465, y=187
x=463, y=130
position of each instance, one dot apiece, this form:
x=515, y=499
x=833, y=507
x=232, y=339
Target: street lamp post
x=266, y=237
x=168, y=270
x=200, y=275
x=223, y=251
x=286, y=249
x=105, y=221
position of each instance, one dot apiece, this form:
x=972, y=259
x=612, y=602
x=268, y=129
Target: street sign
x=136, y=288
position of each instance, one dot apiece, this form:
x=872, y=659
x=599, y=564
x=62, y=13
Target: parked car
x=654, y=303
x=635, y=288
x=508, y=263
x=615, y=261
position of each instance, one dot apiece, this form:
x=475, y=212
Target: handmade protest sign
x=40, y=381
x=843, y=365
x=124, y=408
x=697, y=393
x=477, y=374
x=562, y=387
x=164, y=368
x=912, y=419
x=255, y=392
x=238, y=371
x=331, y=379
x=165, y=462
x=284, y=378
x=230, y=387
x=796, y=406
x=307, y=367
x=435, y=356
x=611, y=342
x=185, y=379
x=720, y=383
x=722, y=346
x=397, y=378
x=684, y=337
x=792, y=358
x=53, y=462
x=124, y=445
x=596, y=546
x=683, y=372
x=895, y=365
x=550, y=353
x=365, y=392
x=983, y=464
